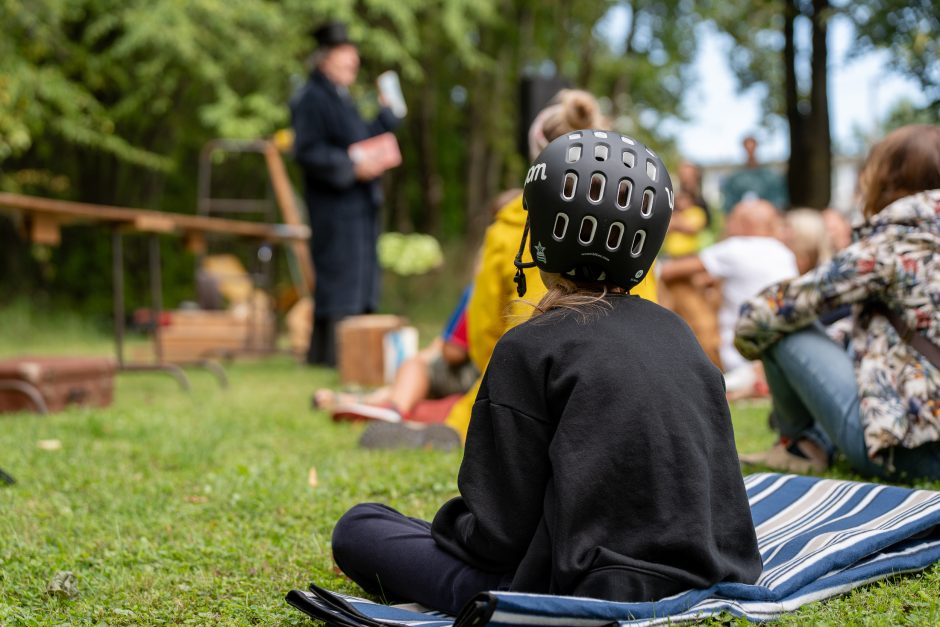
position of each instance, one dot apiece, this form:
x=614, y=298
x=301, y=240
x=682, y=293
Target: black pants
x=395, y=558
x=322, y=350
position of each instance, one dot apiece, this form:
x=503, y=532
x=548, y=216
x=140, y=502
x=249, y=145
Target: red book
x=382, y=149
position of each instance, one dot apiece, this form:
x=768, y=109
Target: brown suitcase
x=60, y=381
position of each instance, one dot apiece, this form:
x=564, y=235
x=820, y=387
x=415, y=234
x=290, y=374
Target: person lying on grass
x=600, y=456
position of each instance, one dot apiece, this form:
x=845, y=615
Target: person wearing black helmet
x=343, y=193
x=600, y=458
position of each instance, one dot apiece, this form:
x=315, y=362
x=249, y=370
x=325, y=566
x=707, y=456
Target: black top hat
x=331, y=34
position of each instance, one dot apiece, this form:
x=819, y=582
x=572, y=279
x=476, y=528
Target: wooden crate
x=193, y=335
x=360, y=349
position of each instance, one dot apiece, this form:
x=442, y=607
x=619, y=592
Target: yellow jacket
x=494, y=306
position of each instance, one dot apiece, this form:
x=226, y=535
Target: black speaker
x=535, y=91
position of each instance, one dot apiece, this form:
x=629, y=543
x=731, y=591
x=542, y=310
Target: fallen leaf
x=63, y=585
x=312, y=477
x=49, y=445
x=197, y=498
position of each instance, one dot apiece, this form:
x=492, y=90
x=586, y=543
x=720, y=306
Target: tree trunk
x=809, y=175
x=797, y=168
x=819, y=139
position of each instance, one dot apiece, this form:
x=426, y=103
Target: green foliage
x=110, y=101
x=907, y=30
x=910, y=31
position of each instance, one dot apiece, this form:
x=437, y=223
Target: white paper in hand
x=390, y=88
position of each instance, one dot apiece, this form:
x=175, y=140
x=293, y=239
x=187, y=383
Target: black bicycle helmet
x=599, y=204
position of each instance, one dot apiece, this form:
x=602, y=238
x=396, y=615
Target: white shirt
x=746, y=265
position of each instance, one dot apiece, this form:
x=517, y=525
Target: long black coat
x=344, y=212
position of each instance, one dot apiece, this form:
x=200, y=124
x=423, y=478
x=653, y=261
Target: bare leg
x=411, y=385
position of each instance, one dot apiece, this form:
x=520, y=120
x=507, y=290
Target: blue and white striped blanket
x=818, y=538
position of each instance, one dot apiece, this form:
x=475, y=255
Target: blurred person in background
x=689, y=176
x=805, y=233
x=343, y=195
x=754, y=181
x=750, y=257
x=879, y=402
x=495, y=306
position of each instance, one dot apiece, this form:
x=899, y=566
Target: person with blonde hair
x=879, y=403
x=805, y=233
x=495, y=305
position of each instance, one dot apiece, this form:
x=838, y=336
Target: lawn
x=175, y=508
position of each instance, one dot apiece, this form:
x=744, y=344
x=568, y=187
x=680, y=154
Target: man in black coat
x=343, y=196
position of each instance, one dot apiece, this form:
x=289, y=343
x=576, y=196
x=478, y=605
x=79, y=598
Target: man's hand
x=367, y=169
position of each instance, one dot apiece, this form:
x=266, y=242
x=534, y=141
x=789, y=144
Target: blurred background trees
x=111, y=100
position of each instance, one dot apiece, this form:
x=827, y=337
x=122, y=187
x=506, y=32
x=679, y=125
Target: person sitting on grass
x=587, y=471
x=440, y=370
x=750, y=258
x=879, y=402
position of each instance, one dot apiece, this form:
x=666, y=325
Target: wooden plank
x=154, y=224
x=284, y=193
x=63, y=210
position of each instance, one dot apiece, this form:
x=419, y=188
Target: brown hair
x=905, y=162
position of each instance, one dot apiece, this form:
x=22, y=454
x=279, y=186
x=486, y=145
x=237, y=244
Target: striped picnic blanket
x=818, y=538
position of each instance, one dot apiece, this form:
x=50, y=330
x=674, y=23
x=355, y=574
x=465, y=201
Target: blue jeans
x=815, y=395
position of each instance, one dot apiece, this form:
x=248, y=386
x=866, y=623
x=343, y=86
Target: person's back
x=748, y=260
x=643, y=495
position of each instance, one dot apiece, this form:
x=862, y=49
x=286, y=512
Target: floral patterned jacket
x=896, y=260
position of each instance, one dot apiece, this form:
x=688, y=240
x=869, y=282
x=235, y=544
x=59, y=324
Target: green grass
x=176, y=508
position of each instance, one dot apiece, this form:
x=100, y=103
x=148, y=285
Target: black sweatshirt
x=600, y=462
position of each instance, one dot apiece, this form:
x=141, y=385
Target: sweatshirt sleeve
x=327, y=163
x=503, y=476
x=856, y=274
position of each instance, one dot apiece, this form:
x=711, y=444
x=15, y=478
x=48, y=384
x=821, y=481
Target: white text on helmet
x=537, y=171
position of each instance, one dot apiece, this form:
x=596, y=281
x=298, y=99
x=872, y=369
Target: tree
x=767, y=53
x=111, y=100
x=910, y=31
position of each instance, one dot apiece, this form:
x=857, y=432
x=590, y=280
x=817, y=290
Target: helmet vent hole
x=588, y=228
x=574, y=136
x=639, y=238
x=627, y=140
x=629, y=158
x=596, y=192
x=601, y=151
x=600, y=134
x=574, y=153
x=569, y=186
x=614, y=236
x=561, y=226
x=651, y=170
x=646, y=209
x=624, y=192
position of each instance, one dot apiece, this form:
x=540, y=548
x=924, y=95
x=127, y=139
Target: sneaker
x=364, y=411
x=801, y=456
x=409, y=435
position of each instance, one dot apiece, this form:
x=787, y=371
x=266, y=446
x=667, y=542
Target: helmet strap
x=519, y=279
